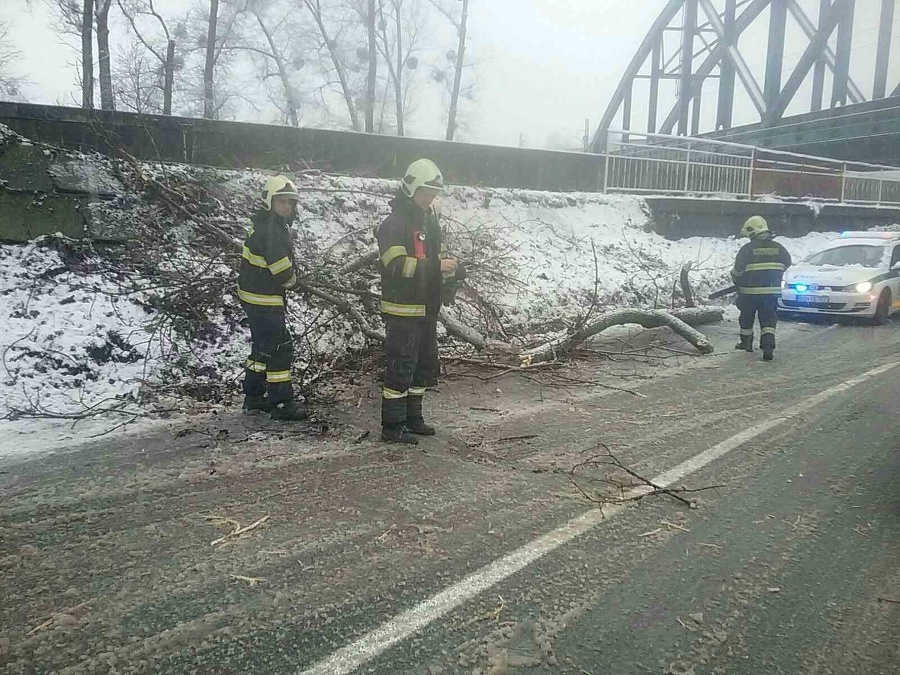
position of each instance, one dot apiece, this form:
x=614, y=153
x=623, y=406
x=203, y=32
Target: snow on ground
x=74, y=341
x=553, y=239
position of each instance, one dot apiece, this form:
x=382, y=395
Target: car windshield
x=857, y=254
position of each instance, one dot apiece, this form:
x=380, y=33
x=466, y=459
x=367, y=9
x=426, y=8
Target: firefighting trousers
x=764, y=308
x=272, y=350
x=412, y=365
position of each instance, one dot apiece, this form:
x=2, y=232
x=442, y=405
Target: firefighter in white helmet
x=413, y=268
x=758, y=271
x=267, y=273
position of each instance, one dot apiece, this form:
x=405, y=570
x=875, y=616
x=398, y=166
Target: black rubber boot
x=767, y=344
x=746, y=343
x=419, y=427
x=290, y=411
x=398, y=434
x=256, y=404
x=415, y=421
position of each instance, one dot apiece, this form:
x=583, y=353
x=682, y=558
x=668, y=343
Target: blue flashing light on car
x=801, y=288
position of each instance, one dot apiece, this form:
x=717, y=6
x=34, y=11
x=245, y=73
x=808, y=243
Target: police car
x=857, y=274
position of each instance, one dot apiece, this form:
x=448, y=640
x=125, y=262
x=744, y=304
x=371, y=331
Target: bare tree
x=101, y=16
x=10, y=81
x=213, y=31
x=460, y=21
x=137, y=80
x=330, y=43
x=70, y=22
x=141, y=75
x=400, y=28
x=372, y=80
x=79, y=19
x=279, y=42
x=87, y=55
x=209, y=102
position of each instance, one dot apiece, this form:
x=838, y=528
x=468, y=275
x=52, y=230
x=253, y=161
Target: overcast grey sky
x=544, y=65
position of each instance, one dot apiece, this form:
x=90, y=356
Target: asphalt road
x=111, y=559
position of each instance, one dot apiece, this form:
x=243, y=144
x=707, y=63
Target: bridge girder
x=710, y=49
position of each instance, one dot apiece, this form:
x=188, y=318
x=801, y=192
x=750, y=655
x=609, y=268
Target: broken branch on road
x=622, y=483
x=678, y=322
x=237, y=531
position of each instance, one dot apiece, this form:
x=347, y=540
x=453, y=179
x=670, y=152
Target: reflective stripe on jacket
x=409, y=246
x=267, y=262
x=760, y=266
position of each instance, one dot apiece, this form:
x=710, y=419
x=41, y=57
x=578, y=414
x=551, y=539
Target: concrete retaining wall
x=240, y=145
x=678, y=218
x=42, y=191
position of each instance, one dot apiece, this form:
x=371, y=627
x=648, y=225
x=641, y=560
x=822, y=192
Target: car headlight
x=864, y=287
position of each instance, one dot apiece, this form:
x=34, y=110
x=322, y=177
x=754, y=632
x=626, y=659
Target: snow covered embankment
x=84, y=328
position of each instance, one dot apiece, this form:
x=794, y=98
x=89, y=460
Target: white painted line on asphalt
x=349, y=658
x=699, y=461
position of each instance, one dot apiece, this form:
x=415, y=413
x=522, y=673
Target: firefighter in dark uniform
x=267, y=272
x=412, y=273
x=758, y=271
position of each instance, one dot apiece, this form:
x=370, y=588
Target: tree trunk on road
x=686, y=289
x=677, y=320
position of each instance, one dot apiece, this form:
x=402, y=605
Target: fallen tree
x=679, y=321
x=320, y=285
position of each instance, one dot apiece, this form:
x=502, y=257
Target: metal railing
x=655, y=163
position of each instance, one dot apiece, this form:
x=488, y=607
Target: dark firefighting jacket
x=760, y=265
x=267, y=261
x=409, y=244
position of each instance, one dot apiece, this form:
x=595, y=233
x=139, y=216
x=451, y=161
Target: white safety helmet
x=279, y=185
x=422, y=174
x=754, y=226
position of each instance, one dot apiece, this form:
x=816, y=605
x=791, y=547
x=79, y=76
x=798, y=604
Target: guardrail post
x=750, y=178
x=880, y=187
x=605, y=168
x=843, y=181
x=687, y=169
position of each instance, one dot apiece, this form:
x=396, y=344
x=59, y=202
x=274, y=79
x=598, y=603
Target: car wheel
x=883, y=308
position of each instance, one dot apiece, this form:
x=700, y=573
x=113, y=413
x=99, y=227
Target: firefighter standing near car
x=758, y=271
x=267, y=273
x=413, y=271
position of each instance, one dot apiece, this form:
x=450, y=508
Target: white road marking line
x=349, y=658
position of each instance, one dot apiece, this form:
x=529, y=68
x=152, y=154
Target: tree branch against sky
x=142, y=16
x=11, y=80
x=457, y=13
x=400, y=28
x=279, y=55
x=329, y=42
x=371, y=20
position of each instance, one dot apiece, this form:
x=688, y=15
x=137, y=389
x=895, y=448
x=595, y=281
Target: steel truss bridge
x=695, y=44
